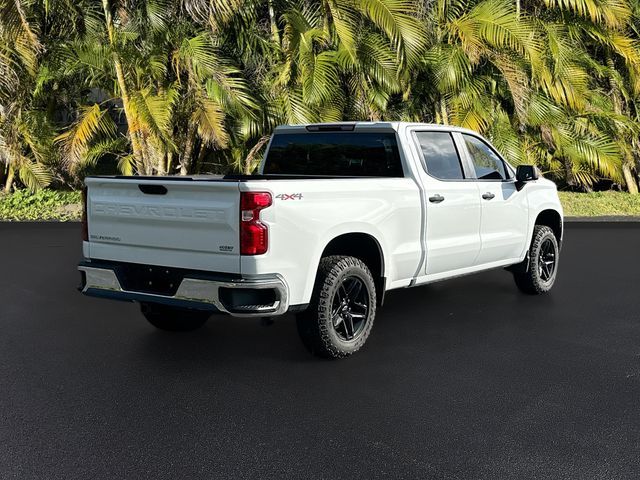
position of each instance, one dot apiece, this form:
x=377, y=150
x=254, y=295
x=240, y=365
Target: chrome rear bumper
x=199, y=293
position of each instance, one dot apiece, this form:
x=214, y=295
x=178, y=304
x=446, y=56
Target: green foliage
x=599, y=204
x=43, y=205
x=156, y=87
x=60, y=205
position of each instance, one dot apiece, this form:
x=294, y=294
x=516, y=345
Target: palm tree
x=197, y=85
x=24, y=131
x=173, y=84
x=343, y=59
x=524, y=76
x=591, y=54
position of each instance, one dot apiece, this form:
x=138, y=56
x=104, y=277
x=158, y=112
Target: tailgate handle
x=152, y=189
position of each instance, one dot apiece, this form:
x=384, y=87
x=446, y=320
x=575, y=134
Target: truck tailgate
x=173, y=222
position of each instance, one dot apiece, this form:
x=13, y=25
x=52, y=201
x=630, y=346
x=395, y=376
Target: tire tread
x=527, y=279
x=312, y=323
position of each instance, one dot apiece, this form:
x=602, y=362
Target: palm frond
x=209, y=118
x=599, y=153
x=612, y=13
x=91, y=124
x=397, y=19
x=34, y=175
x=127, y=164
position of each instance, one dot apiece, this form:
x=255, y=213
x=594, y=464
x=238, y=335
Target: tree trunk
x=132, y=124
x=200, y=160
x=162, y=165
x=169, y=162
x=150, y=153
x=568, y=173
x=443, y=112
x=9, y=182
x=632, y=186
x=185, y=164
x=275, y=34
x=326, y=21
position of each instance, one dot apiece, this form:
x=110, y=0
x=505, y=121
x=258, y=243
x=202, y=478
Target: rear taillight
x=254, y=235
x=85, y=225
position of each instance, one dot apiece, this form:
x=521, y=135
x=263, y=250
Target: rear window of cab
x=351, y=154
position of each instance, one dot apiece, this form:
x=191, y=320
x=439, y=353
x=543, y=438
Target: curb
x=604, y=219
x=4, y=221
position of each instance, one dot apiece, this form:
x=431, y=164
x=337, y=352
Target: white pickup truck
x=337, y=215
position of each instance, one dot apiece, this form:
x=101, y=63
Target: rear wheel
x=538, y=272
x=173, y=319
x=342, y=310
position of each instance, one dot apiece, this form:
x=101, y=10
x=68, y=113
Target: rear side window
x=334, y=153
x=439, y=155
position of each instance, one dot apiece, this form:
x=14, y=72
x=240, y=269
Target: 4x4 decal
x=289, y=196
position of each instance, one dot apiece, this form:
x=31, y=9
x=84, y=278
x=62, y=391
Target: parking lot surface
x=461, y=379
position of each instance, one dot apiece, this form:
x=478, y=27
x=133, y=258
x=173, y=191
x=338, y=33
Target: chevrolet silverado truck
x=336, y=216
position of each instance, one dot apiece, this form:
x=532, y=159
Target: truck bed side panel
x=301, y=226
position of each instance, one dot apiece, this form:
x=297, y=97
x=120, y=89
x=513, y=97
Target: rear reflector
x=254, y=235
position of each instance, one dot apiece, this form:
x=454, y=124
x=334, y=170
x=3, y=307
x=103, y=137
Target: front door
x=503, y=228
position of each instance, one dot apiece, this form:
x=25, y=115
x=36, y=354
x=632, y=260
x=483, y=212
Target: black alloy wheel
x=547, y=260
x=350, y=308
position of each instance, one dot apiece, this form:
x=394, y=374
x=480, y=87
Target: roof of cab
x=364, y=126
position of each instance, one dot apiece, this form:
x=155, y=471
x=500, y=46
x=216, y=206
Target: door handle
x=437, y=198
x=488, y=196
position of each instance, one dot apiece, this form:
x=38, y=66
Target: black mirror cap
x=526, y=173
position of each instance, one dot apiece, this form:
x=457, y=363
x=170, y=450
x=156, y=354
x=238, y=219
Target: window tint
x=439, y=155
x=334, y=153
x=487, y=164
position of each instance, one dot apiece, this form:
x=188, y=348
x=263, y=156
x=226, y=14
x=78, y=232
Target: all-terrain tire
x=173, y=319
x=317, y=324
x=532, y=277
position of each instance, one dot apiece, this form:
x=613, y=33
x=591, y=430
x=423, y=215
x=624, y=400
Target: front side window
x=439, y=155
x=334, y=153
x=487, y=164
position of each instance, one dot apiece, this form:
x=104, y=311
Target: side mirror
x=526, y=173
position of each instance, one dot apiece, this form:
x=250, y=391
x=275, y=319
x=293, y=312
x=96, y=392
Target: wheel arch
x=552, y=219
x=365, y=247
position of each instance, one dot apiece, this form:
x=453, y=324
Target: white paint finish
x=453, y=226
x=542, y=195
x=421, y=242
x=196, y=222
x=387, y=209
x=504, y=221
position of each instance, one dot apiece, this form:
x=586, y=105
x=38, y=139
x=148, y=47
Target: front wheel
x=538, y=272
x=343, y=307
x=173, y=319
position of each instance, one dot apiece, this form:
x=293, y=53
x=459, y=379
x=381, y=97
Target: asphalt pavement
x=461, y=379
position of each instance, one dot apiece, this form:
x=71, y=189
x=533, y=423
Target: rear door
x=503, y=230
x=452, y=204
x=184, y=223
